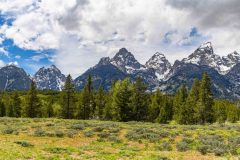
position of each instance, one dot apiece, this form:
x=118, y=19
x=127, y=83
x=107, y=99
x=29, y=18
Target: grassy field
x=55, y=139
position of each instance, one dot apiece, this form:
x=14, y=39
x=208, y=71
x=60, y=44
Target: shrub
x=59, y=134
x=114, y=139
x=88, y=134
x=203, y=149
x=165, y=146
x=212, y=144
x=219, y=151
x=143, y=133
x=8, y=130
x=78, y=126
x=71, y=133
x=57, y=150
x=234, y=144
x=98, y=129
x=103, y=135
x=50, y=124
x=39, y=132
x=162, y=158
x=188, y=140
x=182, y=146
x=114, y=130
x=24, y=143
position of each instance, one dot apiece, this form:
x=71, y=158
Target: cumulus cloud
x=82, y=31
x=219, y=19
x=3, y=51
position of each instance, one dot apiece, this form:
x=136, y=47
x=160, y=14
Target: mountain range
x=157, y=72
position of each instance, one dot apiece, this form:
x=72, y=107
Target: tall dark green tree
x=100, y=101
x=165, y=110
x=190, y=111
x=139, y=100
x=86, y=105
x=179, y=103
x=2, y=109
x=120, y=101
x=49, y=109
x=15, y=105
x=68, y=99
x=205, y=104
x=220, y=111
x=232, y=113
x=32, y=102
x=154, y=107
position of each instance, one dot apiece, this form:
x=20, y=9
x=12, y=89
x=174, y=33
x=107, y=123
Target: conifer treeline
x=125, y=101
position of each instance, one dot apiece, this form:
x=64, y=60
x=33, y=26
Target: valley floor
x=54, y=139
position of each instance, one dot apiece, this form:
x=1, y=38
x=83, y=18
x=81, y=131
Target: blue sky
x=74, y=34
x=30, y=60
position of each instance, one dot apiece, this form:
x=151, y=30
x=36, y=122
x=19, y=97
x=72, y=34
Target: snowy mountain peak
x=125, y=61
x=206, y=45
x=231, y=59
x=53, y=67
x=204, y=55
x=49, y=78
x=160, y=64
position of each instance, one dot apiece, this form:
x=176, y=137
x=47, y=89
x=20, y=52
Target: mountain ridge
x=157, y=72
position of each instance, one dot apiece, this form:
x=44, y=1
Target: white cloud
x=3, y=51
x=17, y=56
x=82, y=31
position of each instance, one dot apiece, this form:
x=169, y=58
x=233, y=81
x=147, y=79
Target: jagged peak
x=123, y=50
x=123, y=53
x=157, y=58
x=53, y=66
x=234, y=53
x=206, y=45
x=159, y=54
x=104, y=61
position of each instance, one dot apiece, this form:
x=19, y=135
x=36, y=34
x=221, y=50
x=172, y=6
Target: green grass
x=54, y=139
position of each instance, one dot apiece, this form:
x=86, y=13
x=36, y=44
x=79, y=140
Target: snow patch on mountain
x=204, y=55
x=160, y=64
x=126, y=62
x=49, y=78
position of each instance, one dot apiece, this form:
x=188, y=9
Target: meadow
x=53, y=139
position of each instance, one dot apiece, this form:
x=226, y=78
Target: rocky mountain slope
x=49, y=78
x=13, y=78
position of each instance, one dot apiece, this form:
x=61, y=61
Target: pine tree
x=120, y=101
x=190, y=112
x=100, y=101
x=15, y=105
x=179, y=104
x=205, y=105
x=165, y=110
x=123, y=100
x=10, y=108
x=220, y=111
x=32, y=102
x=232, y=113
x=2, y=109
x=154, y=109
x=50, y=103
x=68, y=99
x=86, y=105
x=139, y=102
